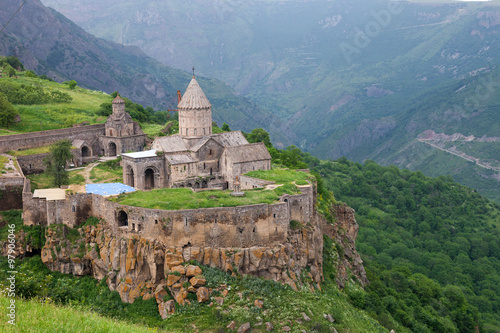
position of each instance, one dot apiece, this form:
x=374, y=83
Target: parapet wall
x=44, y=138
x=242, y=226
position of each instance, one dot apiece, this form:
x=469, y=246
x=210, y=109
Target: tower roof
x=118, y=100
x=194, y=97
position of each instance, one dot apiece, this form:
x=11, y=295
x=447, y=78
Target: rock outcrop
x=142, y=267
x=138, y=266
x=344, y=232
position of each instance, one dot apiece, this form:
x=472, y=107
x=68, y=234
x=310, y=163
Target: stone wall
x=248, y=183
x=231, y=170
x=11, y=193
x=136, y=265
x=45, y=138
x=219, y=227
x=121, y=144
x=34, y=163
x=242, y=226
x=134, y=171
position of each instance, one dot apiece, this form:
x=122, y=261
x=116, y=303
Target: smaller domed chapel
x=195, y=157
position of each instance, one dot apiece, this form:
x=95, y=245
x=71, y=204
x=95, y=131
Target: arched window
x=122, y=219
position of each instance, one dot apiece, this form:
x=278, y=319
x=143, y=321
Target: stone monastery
x=138, y=250
x=195, y=157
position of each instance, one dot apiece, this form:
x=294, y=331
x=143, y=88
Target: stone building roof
x=77, y=143
x=248, y=153
x=118, y=100
x=170, y=144
x=194, y=97
x=180, y=159
x=229, y=139
x=202, y=142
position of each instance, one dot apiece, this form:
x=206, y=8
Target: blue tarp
x=108, y=189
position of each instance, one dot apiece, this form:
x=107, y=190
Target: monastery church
x=195, y=157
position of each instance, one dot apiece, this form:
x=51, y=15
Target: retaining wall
x=44, y=138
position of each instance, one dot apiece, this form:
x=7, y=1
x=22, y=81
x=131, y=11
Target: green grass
x=282, y=176
x=37, y=315
x=33, y=151
x=3, y=160
x=107, y=172
x=43, y=180
x=184, y=198
x=83, y=107
x=152, y=130
x=7, y=132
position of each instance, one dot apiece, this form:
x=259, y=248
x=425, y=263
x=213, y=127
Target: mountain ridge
x=422, y=66
x=49, y=43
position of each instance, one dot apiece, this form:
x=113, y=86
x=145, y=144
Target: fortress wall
x=300, y=206
x=242, y=226
x=11, y=193
x=34, y=210
x=44, y=138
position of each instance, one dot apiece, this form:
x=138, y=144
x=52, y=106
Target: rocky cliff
x=344, y=233
x=137, y=266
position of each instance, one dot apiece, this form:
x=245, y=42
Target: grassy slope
x=83, y=107
x=38, y=316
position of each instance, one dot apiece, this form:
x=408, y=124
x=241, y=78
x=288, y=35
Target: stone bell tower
x=195, y=112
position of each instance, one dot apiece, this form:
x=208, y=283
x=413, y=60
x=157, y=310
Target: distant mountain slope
x=51, y=44
x=360, y=78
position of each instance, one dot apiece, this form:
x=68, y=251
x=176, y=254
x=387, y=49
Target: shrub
x=295, y=225
x=72, y=84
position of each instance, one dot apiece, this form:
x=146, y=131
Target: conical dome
x=194, y=97
x=118, y=100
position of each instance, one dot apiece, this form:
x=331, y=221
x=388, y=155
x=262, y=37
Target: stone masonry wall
x=11, y=193
x=44, y=138
x=34, y=163
x=242, y=226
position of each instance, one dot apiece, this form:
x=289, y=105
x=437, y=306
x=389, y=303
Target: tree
x=7, y=111
x=60, y=153
x=225, y=128
x=10, y=71
x=14, y=62
x=30, y=74
x=72, y=84
x=259, y=135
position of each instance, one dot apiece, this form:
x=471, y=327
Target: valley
x=335, y=88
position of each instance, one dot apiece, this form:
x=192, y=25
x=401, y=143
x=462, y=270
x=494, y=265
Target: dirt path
x=86, y=172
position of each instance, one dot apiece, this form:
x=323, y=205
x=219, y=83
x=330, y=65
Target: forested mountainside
x=430, y=246
x=361, y=79
x=48, y=43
